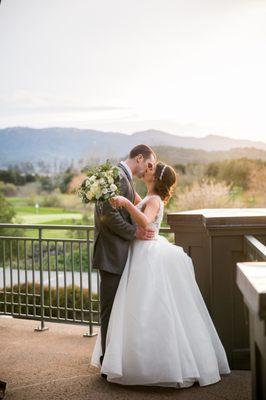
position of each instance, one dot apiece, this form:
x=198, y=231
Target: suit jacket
x=114, y=230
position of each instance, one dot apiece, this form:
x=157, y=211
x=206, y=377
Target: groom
x=114, y=230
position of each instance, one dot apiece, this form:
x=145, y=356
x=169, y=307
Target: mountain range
x=23, y=144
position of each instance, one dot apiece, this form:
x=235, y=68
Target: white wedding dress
x=160, y=332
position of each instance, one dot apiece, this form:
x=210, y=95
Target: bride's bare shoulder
x=153, y=201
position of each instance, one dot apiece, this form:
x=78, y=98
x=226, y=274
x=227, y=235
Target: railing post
x=42, y=327
x=90, y=333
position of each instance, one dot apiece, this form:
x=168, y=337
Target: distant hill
x=208, y=143
x=22, y=144
x=174, y=155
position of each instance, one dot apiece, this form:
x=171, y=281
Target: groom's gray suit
x=114, y=230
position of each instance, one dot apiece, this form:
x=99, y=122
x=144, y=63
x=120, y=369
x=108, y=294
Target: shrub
x=236, y=172
x=29, y=190
x=257, y=187
x=8, y=189
x=51, y=200
x=7, y=211
x=206, y=194
x=49, y=300
x=7, y=214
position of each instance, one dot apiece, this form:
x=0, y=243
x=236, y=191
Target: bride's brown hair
x=165, y=181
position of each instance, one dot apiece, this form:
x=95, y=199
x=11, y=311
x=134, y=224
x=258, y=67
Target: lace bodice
x=158, y=219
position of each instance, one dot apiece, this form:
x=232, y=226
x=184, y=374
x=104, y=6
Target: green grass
x=16, y=200
x=26, y=214
x=62, y=221
x=41, y=211
x=47, y=218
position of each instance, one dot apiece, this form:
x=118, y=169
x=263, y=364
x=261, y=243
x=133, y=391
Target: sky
x=188, y=67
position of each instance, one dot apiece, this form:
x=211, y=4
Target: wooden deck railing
x=251, y=280
x=217, y=239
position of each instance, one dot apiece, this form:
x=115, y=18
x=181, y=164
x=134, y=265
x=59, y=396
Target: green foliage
x=20, y=254
x=194, y=172
x=8, y=189
x=14, y=175
x=236, y=172
x=181, y=168
x=7, y=211
x=47, y=183
x=51, y=200
x=173, y=155
x=64, y=179
x=235, y=192
x=42, y=210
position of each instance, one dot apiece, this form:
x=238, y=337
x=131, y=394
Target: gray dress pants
x=108, y=287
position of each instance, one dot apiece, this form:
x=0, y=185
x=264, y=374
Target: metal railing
x=50, y=279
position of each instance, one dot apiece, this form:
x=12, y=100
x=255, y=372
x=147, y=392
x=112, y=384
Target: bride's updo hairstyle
x=165, y=181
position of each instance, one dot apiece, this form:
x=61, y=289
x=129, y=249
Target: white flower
x=95, y=187
x=89, y=195
x=101, y=183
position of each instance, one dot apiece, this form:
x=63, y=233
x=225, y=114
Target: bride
x=160, y=332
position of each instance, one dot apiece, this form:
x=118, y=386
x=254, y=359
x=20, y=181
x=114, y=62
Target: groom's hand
x=144, y=234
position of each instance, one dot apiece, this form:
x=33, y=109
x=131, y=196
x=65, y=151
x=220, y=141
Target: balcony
x=54, y=364
x=47, y=282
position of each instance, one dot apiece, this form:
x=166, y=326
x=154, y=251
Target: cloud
x=27, y=108
x=24, y=101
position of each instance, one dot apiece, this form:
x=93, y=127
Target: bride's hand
x=118, y=201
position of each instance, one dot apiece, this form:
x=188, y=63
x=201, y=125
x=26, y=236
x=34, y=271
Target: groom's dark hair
x=143, y=149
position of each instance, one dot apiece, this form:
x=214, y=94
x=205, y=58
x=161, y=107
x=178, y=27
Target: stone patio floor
x=54, y=364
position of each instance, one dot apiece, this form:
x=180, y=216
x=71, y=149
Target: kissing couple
x=155, y=327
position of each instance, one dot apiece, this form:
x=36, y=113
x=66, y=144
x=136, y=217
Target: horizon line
x=132, y=133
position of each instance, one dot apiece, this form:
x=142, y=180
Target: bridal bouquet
x=101, y=183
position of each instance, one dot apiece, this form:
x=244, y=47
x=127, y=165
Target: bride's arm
x=141, y=218
x=137, y=198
